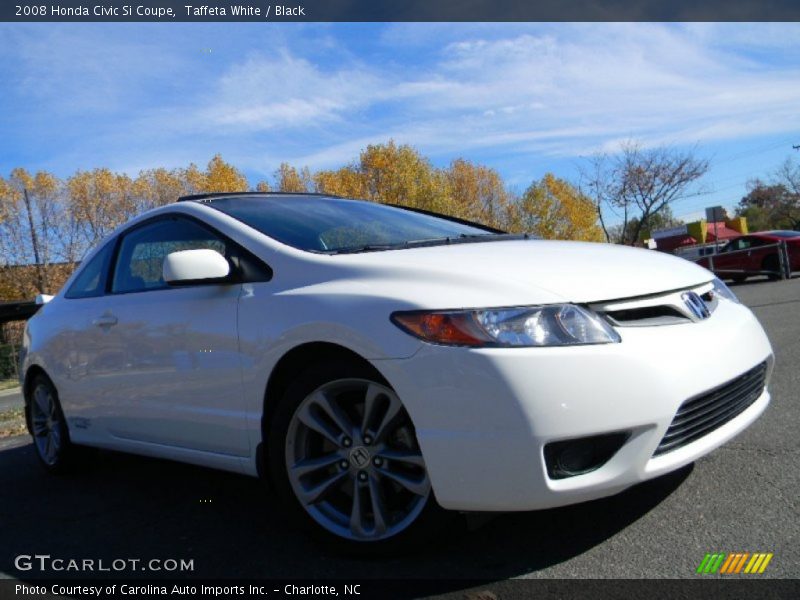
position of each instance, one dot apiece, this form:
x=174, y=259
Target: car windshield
x=337, y=226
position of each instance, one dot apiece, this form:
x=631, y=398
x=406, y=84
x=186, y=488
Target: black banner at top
x=398, y=10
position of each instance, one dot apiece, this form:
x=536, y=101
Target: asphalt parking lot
x=743, y=497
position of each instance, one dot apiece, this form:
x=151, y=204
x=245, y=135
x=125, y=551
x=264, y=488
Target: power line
x=740, y=183
x=758, y=150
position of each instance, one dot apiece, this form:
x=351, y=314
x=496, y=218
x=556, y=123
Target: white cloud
x=643, y=81
x=316, y=95
x=557, y=90
x=286, y=91
x=81, y=70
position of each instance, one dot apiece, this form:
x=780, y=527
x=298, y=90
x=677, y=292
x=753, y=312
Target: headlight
x=723, y=291
x=552, y=325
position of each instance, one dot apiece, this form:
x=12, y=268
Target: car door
x=728, y=258
x=754, y=257
x=80, y=346
x=793, y=248
x=166, y=367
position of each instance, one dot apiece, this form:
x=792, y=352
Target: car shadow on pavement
x=123, y=506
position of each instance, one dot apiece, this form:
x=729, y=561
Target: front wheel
x=344, y=454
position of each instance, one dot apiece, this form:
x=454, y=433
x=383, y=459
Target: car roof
x=781, y=233
x=206, y=197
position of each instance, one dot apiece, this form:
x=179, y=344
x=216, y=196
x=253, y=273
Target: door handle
x=105, y=321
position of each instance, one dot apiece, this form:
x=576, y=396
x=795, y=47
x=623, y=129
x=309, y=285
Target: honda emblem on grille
x=696, y=306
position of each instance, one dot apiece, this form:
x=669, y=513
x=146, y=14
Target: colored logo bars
x=735, y=562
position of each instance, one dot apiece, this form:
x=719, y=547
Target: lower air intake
x=702, y=415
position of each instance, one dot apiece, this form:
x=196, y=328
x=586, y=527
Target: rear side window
x=91, y=281
x=142, y=252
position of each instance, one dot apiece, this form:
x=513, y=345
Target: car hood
x=507, y=272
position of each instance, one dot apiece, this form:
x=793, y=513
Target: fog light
x=568, y=458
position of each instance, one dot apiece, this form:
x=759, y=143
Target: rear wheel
x=344, y=454
x=48, y=426
x=772, y=264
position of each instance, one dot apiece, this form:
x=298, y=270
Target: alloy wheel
x=353, y=460
x=46, y=425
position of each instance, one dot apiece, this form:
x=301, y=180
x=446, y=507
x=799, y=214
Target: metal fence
x=784, y=270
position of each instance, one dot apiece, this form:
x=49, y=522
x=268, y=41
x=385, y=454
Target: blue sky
x=522, y=98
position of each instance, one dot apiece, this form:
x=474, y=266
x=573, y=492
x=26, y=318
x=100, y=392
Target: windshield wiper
x=367, y=248
x=463, y=238
x=466, y=238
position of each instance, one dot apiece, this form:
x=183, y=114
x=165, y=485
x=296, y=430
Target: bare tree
x=788, y=176
x=637, y=183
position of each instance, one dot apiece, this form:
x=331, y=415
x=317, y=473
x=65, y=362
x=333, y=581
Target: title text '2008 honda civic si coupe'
x=380, y=364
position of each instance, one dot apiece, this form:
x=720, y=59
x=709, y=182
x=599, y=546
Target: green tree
x=773, y=204
x=661, y=220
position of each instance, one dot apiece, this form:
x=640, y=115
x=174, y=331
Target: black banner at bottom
x=541, y=589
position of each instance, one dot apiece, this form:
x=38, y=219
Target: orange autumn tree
x=289, y=179
x=46, y=231
x=478, y=193
x=157, y=187
x=36, y=233
x=391, y=174
x=554, y=209
x=219, y=176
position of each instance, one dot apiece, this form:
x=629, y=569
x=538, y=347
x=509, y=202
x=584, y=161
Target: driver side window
x=737, y=245
x=139, y=265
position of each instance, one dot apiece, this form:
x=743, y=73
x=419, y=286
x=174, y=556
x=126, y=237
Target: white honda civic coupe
x=379, y=364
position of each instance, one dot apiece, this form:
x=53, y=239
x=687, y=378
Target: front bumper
x=483, y=416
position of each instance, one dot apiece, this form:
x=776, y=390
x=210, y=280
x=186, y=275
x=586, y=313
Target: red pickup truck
x=751, y=254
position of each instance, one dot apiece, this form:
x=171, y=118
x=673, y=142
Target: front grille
x=667, y=308
x=702, y=415
x=647, y=316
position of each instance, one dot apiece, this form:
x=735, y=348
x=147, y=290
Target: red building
x=697, y=233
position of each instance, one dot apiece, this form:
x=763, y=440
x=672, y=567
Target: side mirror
x=42, y=299
x=188, y=267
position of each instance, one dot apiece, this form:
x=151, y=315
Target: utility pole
x=40, y=283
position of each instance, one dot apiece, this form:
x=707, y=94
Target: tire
x=771, y=263
x=366, y=491
x=48, y=427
